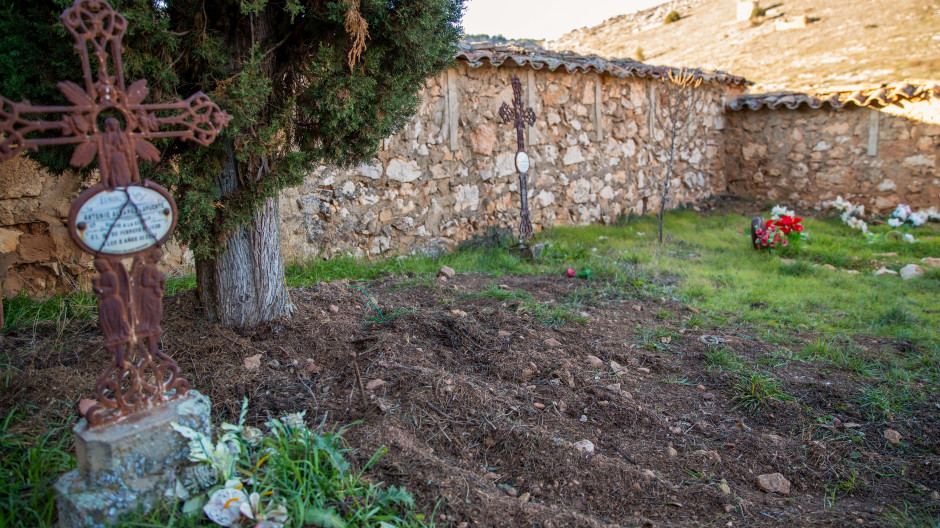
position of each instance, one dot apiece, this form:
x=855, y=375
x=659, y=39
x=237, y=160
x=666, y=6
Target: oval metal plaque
x=522, y=162
x=122, y=221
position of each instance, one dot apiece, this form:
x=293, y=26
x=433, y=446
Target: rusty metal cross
x=120, y=217
x=520, y=116
x=105, y=98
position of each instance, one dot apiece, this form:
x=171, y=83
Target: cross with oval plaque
x=520, y=115
x=122, y=216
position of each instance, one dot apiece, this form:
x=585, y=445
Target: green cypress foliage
x=283, y=68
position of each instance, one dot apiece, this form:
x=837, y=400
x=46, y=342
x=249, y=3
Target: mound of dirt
x=503, y=416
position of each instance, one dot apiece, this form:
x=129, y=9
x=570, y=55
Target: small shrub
x=673, y=16
x=640, y=56
x=758, y=12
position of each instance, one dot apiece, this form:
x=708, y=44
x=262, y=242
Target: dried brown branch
x=358, y=29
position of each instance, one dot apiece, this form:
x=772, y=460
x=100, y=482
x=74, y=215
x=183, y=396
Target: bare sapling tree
x=678, y=97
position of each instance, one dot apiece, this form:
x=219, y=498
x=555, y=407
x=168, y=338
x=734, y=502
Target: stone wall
x=448, y=175
x=36, y=253
x=802, y=157
x=427, y=190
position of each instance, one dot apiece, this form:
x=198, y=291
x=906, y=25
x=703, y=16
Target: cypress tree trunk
x=244, y=286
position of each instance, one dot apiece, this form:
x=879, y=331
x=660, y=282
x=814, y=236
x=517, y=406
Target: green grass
x=755, y=391
x=913, y=517
x=707, y=264
x=885, y=403
x=722, y=358
x=29, y=466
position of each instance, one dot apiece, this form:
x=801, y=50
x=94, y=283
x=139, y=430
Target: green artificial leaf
x=395, y=495
x=194, y=504
x=327, y=518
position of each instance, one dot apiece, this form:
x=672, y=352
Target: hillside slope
x=844, y=43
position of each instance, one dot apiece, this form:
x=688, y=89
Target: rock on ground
x=911, y=271
x=774, y=483
x=584, y=446
x=892, y=436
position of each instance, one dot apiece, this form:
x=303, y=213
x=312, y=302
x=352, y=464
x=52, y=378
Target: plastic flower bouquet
x=783, y=232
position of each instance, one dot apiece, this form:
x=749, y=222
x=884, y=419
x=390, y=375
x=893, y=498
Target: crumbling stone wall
x=427, y=191
x=802, y=157
x=445, y=177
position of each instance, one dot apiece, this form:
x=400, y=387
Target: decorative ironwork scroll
x=520, y=116
x=122, y=216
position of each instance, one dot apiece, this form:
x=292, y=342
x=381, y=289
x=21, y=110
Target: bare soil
x=482, y=403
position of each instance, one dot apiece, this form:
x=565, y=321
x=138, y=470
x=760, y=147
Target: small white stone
x=911, y=271
x=584, y=446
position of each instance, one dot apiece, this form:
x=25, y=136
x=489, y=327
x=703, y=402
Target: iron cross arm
x=106, y=118
x=518, y=114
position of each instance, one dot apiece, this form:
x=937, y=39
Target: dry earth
x=846, y=43
x=481, y=404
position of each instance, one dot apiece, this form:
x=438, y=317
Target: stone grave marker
x=127, y=452
x=520, y=116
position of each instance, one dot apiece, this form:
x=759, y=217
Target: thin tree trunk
x=244, y=286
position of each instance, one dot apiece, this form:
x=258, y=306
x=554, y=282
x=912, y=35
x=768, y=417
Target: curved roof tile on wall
x=879, y=97
x=477, y=53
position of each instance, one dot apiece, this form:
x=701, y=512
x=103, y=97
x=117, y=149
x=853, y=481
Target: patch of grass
x=844, y=354
x=655, y=338
x=755, y=391
x=798, y=268
x=553, y=315
x=885, y=403
x=843, y=487
x=498, y=294
x=722, y=358
x=29, y=466
x=23, y=311
x=304, y=471
x=910, y=516
x=896, y=316
x=176, y=285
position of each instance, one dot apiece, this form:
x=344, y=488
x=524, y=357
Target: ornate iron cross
x=520, y=116
x=121, y=216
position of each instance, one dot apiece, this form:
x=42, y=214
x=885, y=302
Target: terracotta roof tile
x=476, y=53
x=878, y=97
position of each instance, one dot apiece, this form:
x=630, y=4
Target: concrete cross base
x=129, y=465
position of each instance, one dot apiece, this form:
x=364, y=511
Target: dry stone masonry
x=875, y=147
x=450, y=174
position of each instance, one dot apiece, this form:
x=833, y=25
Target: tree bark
x=244, y=285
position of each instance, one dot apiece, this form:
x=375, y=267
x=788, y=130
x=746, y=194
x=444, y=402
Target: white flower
x=224, y=507
x=780, y=210
x=252, y=435
x=918, y=219
x=902, y=211
x=221, y=455
x=909, y=238
x=272, y=518
x=895, y=222
x=294, y=420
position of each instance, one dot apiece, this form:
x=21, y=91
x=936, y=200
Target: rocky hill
x=796, y=44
